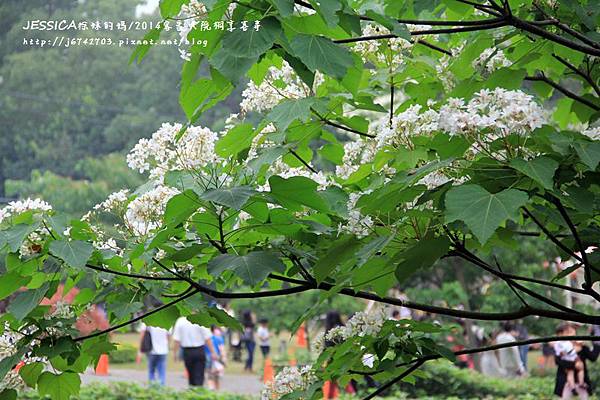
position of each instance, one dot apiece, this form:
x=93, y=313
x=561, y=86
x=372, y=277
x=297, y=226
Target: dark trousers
x=250, y=349
x=265, y=350
x=195, y=362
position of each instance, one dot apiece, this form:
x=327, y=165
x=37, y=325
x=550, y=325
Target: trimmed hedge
x=446, y=381
x=125, y=353
x=131, y=391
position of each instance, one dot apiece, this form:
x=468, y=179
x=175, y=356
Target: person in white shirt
x=264, y=337
x=510, y=359
x=192, y=338
x=157, y=354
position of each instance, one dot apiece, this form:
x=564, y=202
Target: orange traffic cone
x=301, y=337
x=102, y=366
x=269, y=374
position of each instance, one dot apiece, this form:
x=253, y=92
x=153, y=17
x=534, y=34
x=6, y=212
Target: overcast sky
x=148, y=7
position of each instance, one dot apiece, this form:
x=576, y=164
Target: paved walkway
x=233, y=383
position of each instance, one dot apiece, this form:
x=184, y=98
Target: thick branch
x=482, y=316
x=138, y=318
x=395, y=380
x=563, y=90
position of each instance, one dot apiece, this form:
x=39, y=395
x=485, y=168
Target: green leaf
x=539, y=169
x=482, y=211
x=287, y=111
x=296, y=191
x=232, y=67
x=214, y=316
x=170, y=8
x=75, y=253
x=141, y=50
x=8, y=394
x=339, y=252
x=180, y=207
x=25, y=302
x=327, y=9
x=164, y=318
x=252, y=43
x=420, y=256
x=235, y=140
x=234, y=197
x=319, y=53
x=15, y=236
x=59, y=387
x=589, y=153
x=284, y=7
x=31, y=372
x=10, y=282
x=252, y=268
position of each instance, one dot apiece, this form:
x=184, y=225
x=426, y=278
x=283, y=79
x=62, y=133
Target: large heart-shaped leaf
x=74, y=252
x=283, y=114
x=234, y=197
x=296, y=191
x=59, y=387
x=539, y=169
x=252, y=43
x=252, y=268
x=482, y=211
x=319, y=53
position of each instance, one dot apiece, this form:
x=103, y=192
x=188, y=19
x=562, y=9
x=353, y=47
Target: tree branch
x=579, y=72
x=138, y=318
x=482, y=316
x=395, y=380
x=563, y=90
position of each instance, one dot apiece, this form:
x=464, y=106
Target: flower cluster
x=164, y=152
x=114, y=201
x=405, y=125
x=361, y=324
x=490, y=60
x=357, y=224
x=289, y=380
x=145, y=212
x=391, y=52
x=277, y=85
x=20, y=206
x=496, y=113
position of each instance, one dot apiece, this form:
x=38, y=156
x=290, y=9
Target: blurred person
x=192, y=339
x=509, y=357
x=583, y=388
x=248, y=338
x=264, y=337
x=566, y=350
x=522, y=334
x=154, y=342
x=216, y=367
x=490, y=365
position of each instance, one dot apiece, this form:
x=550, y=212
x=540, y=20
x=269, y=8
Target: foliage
x=127, y=390
x=445, y=380
x=369, y=151
x=125, y=353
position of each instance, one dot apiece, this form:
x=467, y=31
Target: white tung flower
x=357, y=224
x=20, y=206
x=145, y=212
x=278, y=84
x=490, y=60
x=289, y=380
x=114, y=201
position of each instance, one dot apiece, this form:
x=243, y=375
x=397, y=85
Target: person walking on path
x=192, y=339
x=264, y=337
x=248, y=338
x=154, y=342
x=510, y=359
x=216, y=368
